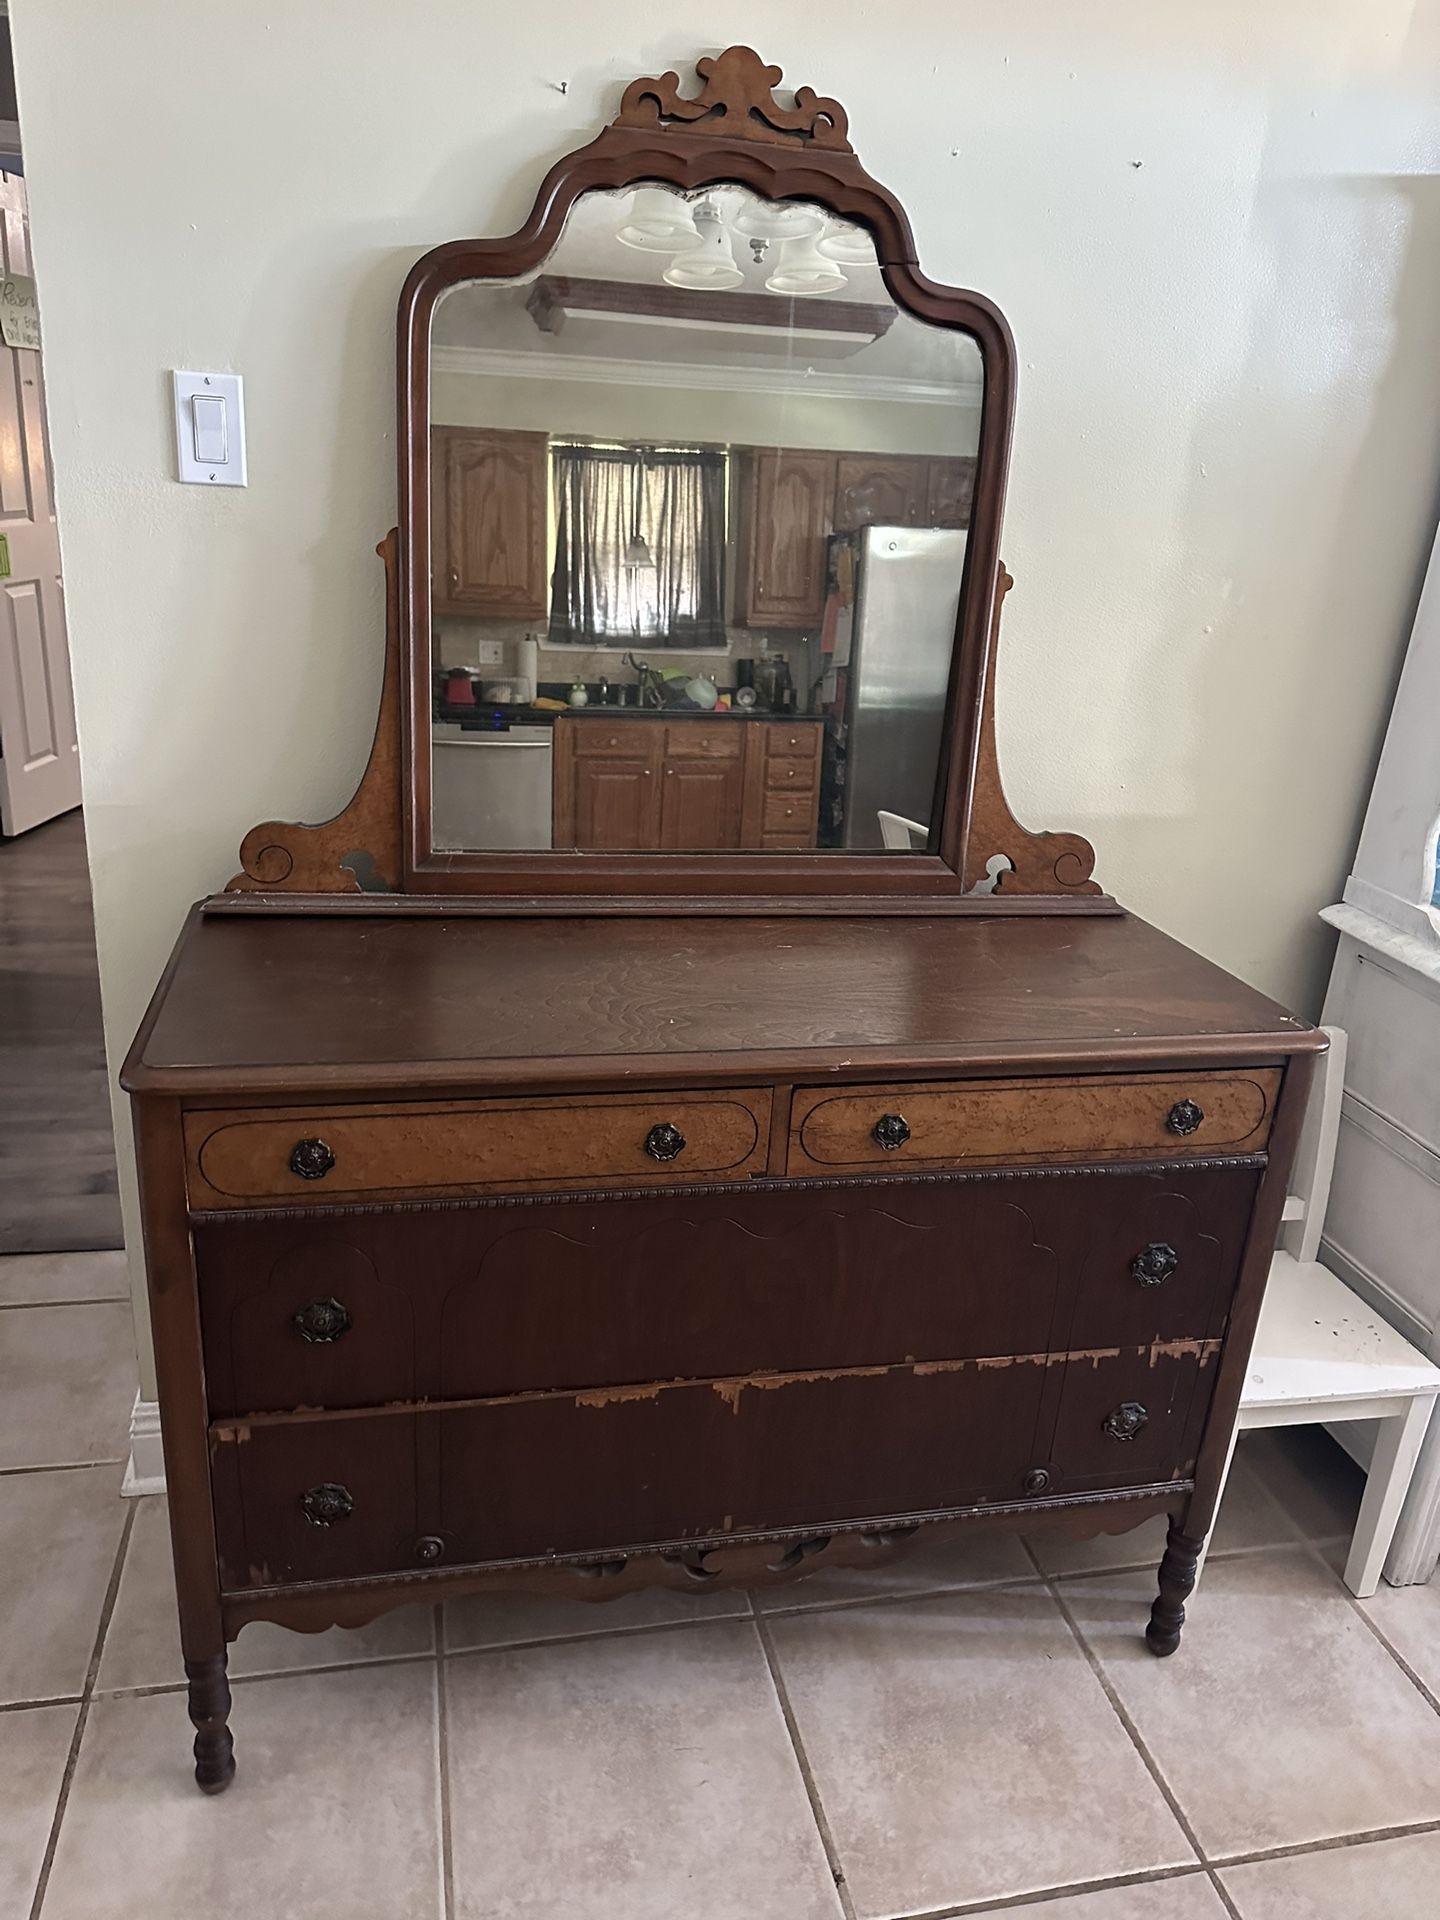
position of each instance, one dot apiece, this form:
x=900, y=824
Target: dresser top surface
x=262, y=1002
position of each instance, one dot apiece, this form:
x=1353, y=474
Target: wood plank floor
x=57, y=1153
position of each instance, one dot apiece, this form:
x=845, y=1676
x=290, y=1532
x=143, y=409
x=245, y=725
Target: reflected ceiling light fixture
x=710, y=263
x=638, y=557
x=851, y=245
x=658, y=223
x=803, y=269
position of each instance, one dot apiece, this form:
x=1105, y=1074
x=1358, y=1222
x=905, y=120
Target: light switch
x=208, y=413
x=210, y=428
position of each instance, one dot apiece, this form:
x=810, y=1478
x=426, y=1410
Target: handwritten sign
x=19, y=315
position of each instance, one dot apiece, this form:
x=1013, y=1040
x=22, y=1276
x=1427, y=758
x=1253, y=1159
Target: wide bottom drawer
x=602, y=1472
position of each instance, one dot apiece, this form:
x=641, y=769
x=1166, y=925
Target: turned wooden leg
x=1177, y=1577
x=209, y=1714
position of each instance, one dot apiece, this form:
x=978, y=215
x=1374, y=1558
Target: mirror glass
x=699, y=500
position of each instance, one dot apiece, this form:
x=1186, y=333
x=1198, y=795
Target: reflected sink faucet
x=648, y=681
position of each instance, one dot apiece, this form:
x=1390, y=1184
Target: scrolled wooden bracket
x=359, y=850
x=739, y=91
x=1039, y=862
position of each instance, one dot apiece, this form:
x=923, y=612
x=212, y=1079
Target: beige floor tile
x=964, y=1560
x=1281, y=1719
x=67, y=1384
x=1248, y=1519
x=142, y=1648
x=333, y=1816
x=1409, y=1618
x=33, y=1749
x=58, y=1536
x=964, y=1751
x=1310, y=1476
x=1379, y=1880
x=26, y=1278
x=508, y=1619
x=1189, y=1898
x=629, y=1777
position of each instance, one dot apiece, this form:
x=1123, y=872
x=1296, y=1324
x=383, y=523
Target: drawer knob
x=327, y=1504
x=1184, y=1117
x=429, y=1548
x=890, y=1132
x=1126, y=1421
x=321, y=1321
x=1155, y=1263
x=664, y=1142
x=311, y=1159
x=1037, y=1480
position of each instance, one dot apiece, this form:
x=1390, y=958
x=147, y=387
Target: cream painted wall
x=1215, y=230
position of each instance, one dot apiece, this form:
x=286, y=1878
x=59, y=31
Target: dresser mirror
x=700, y=496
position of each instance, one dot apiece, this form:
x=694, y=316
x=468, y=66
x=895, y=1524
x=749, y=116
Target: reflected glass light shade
x=710, y=263
x=637, y=555
x=658, y=223
x=852, y=246
x=802, y=269
x=763, y=220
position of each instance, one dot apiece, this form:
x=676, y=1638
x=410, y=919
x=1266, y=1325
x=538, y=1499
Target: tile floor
x=977, y=1728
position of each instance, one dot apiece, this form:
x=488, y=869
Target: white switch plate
x=216, y=428
x=489, y=653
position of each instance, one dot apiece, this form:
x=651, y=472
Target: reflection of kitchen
x=773, y=709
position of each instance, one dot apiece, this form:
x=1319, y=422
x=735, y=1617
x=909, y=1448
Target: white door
x=39, y=756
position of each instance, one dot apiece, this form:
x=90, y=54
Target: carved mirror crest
x=695, y=590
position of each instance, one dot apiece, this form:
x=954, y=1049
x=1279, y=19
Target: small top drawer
x=314, y=1154
x=935, y=1123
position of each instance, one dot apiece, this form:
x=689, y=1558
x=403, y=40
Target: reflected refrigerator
x=893, y=648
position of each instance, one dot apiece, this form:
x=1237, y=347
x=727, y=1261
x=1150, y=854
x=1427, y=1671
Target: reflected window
x=640, y=547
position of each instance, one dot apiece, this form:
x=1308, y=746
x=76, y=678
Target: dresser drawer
x=594, y=1473
x=934, y=1123
x=790, y=813
x=318, y=1154
x=789, y=775
x=356, y=1308
x=1132, y=1418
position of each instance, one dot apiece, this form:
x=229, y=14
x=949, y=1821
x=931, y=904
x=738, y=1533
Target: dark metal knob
x=890, y=1132
x=326, y=1504
x=1037, y=1480
x=664, y=1142
x=429, y=1548
x=1126, y=1421
x=311, y=1159
x=321, y=1321
x=1184, y=1117
x=1154, y=1263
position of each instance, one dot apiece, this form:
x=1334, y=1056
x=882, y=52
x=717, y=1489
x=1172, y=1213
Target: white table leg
x=1219, y=1497
x=1416, y=1546
x=1397, y=1445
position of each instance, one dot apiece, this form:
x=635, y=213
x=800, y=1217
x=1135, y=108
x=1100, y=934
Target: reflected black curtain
x=606, y=500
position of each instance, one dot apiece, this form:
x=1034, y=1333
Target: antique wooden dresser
x=581, y=1220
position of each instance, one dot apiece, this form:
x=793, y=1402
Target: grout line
x=271, y=1673
x=99, y=1300
x=442, y=1736
x=1151, y=1765
x=28, y=1706
x=1043, y=1896
x=1333, y=1843
x=1357, y=1606
x=64, y=1466
x=72, y=1758
x=802, y=1760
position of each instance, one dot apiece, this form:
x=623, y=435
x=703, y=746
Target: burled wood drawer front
x=937, y=1124
x=312, y=1154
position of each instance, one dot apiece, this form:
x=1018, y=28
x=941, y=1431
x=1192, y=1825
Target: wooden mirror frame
x=733, y=132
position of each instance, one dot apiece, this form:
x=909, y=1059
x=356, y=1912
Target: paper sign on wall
x=4, y=556
x=19, y=315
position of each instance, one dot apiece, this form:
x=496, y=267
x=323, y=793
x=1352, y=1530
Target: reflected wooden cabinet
x=686, y=785
x=877, y=489
x=488, y=507
x=785, y=502
x=949, y=490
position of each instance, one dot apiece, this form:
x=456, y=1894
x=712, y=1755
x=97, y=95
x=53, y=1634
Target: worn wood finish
x=240, y=1157
x=1020, y=1121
